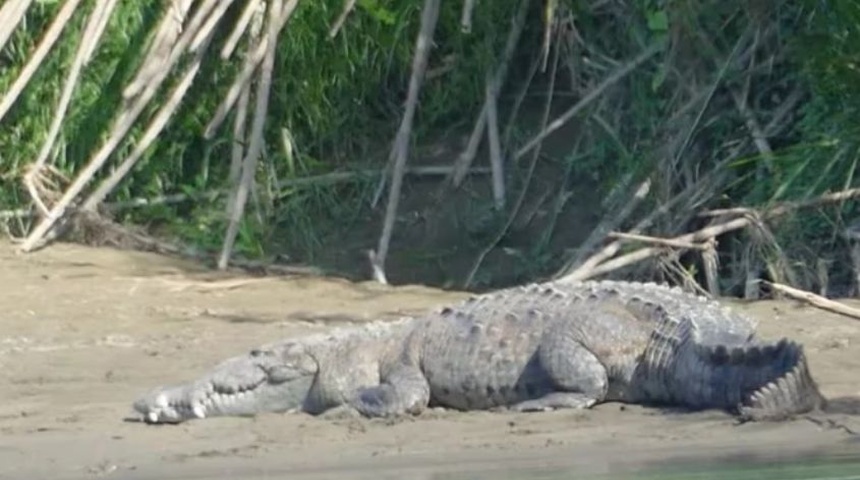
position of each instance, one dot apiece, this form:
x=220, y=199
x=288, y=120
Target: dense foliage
x=686, y=119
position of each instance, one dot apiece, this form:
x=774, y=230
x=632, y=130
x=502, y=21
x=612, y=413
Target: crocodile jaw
x=176, y=404
x=273, y=379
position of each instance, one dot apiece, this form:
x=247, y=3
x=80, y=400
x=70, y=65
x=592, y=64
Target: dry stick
x=279, y=14
x=526, y=182
x=90, y=37
x=159, y=50
x=658, y=241
x=151, y=133
x=10, y=15
x=252, y=7
x=495, y=147
x=815, y=300
x=34, y=60
x=203, y=35
x=590, y=97
x=243, y=78
x=400, y=149
x=721, y=228
x=466, y=16
x=348, y=6
x=120, y=128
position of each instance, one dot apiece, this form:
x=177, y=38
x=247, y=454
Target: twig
x=815, y=300
x=35, y=59
x=279, y=14
x=526, y=181
x=589, y=97
x=464, y=161
x=400, y=149
x=665, y=242
x=348, y=6
x=495, y=148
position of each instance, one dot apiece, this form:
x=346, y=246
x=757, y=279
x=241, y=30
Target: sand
x=86, y=331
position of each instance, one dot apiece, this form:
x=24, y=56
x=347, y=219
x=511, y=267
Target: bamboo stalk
x=496, y=160
x=11, y=14
x=162, y=44
x=251, y=8
x=400, y=149
x=34, y=60
x=120, y=128
x=241, y=80
x=278, y=17
x=91, y=35
x=152, y=131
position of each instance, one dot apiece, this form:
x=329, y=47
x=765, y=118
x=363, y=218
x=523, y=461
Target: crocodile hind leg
x=579, y=378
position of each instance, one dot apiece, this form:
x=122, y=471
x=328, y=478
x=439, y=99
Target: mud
x=85, y=331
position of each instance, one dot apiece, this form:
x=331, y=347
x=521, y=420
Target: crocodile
x=538, y=347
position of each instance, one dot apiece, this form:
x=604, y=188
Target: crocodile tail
x=792, y=392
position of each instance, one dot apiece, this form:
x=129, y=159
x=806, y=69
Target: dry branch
x=279, y=15
x=466, y=16
x=247, y=73
x=251, y=8
x=496, y=160
x=708, y=233
x=665, y=242
x=464, y=161
x=815, y=300
x=400, y=149
x=35, y=59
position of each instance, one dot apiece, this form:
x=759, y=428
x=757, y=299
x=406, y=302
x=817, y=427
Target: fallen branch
x=815, y=300
x=712, y=231
x=400, y=149
x=665, y=242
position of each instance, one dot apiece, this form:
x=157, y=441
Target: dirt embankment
x=85, y=331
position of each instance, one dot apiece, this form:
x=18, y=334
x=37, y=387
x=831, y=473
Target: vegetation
x=674, y=109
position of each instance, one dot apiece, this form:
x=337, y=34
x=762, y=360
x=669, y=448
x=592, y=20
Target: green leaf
x=658, y=21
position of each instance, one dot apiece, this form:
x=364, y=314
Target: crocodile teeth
x=199, y=411
x=152, y=417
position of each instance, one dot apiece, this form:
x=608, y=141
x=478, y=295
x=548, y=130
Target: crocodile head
x=269, y=379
